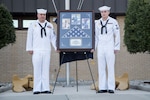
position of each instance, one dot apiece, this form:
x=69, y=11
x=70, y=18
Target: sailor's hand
x=115, y=51
x=30, y=52
x=58, y=51
x=92, y=50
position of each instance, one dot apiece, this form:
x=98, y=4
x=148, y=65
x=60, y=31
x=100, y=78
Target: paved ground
x=84, y=93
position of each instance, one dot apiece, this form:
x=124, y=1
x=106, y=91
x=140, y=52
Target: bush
x=7, y=32
x=137, y=26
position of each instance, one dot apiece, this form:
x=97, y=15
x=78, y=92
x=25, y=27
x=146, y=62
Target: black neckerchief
x=43, y=28
x=103, y=26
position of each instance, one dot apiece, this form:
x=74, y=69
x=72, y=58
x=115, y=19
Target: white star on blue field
x=75, y=32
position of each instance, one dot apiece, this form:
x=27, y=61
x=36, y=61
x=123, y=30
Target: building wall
x=30, y=6
x=15, y=60
x=136, y=65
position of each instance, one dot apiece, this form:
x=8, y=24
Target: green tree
x=137, y=26
x=7, y=32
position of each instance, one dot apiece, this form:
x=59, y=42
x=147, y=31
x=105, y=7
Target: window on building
x=26, y=23
x=22, y=22
x=15, y=23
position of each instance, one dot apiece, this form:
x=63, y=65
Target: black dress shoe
x=102, y=91
x=47, y=92
x=110, y=91
x=36, y=92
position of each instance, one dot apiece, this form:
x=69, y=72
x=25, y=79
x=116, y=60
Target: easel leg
x=56, y=78
x=76, y=76
x=57, y=74
x=90, y=70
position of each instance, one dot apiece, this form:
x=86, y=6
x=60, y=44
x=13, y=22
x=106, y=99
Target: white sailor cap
x=41, y=11
x=104, y=8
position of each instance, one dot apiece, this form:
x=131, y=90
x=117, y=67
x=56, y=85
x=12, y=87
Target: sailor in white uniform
x=40, y=36
x=107, y=42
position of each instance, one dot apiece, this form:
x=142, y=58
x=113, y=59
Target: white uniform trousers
x=41, y=69
x=106, y=57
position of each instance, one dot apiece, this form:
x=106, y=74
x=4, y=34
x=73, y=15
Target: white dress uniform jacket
x=39, y=41
x=34, y=40
x=107, y=39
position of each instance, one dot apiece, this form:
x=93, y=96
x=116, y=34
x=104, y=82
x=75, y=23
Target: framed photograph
x=75, y=30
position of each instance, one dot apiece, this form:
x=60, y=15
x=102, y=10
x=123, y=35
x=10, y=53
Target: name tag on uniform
x=49, y=27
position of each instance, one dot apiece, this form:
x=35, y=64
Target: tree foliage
x=7, y=32
x=137, y=26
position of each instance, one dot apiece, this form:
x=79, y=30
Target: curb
x=5, y=87
x=140, y=85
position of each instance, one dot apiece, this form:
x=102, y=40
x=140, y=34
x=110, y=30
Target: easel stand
x=76, y=71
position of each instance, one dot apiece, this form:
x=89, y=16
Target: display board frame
x=75, y=30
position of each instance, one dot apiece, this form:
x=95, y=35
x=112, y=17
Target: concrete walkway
x=70, y=93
